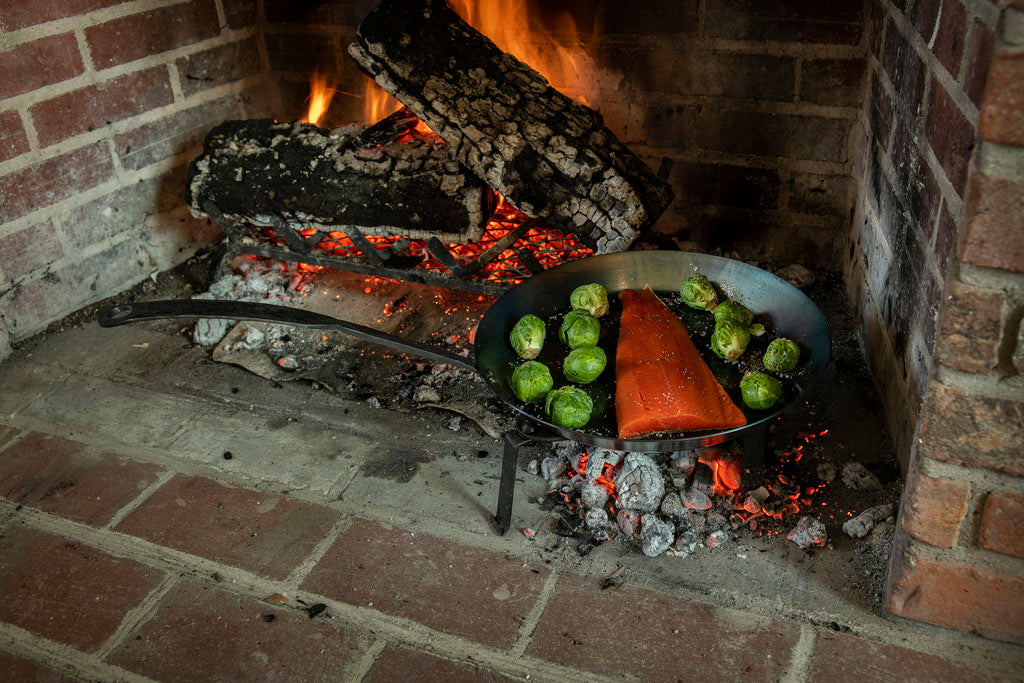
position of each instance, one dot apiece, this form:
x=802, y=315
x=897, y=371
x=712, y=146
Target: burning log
x=303, y=176
x=548, y=155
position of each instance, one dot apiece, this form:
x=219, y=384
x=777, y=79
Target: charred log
x=303, y=176
x=548, y=155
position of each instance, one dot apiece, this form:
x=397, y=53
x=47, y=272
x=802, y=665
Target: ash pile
x=681, y=503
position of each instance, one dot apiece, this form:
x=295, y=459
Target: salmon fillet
x=661, y=382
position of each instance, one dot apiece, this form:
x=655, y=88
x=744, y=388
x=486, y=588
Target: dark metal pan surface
x=783, y=308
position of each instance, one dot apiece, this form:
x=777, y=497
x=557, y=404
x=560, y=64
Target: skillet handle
x=284, y=315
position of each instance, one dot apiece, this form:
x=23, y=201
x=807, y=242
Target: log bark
x=548, y=155
x=263, y=172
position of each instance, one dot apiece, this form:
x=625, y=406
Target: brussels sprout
x=591, y=298
x=532, y=381
x=584, y=364
x=757, y=329
x=729, y=340
x=781, y=355
x=527, y=336
x=733, y=312
x=569, y=407
x=698, y=292
x=760, y=391
x=579, y=329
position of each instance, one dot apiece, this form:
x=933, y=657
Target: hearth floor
x=169, y=518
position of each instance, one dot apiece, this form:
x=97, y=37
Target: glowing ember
x=320, y=95
x=726, y=469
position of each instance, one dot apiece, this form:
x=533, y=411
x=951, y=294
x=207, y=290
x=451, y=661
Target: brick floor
x=200, y=632
x=68, y=592
x=70, y=479
x=264, y=533
x=656, y=636
x=456, y=589
x=838, y=657
x=404, y=664
x=14, y=668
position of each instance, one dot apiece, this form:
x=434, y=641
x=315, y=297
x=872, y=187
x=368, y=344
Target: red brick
x=466, y=591
x=934, y=510
x=15, y=668
x=218, y=65
x=839, y=657
x=70, y=479
x=834, y=82
x=951, y=136
x=765, y=134
x=979, y=60
x=240, y=13
x=67, y=591
x=174, y=134
x=957, y=596
x=1002, y=524
x=655, y=636
x=904, y=68
x=200, y=632
x=970, y=329
x=55, y=179
x=945, y=240
x=797, y=21
x=95, y=106
x=995, y=222
x=42, y=62
x=139, y=35
x=13, y=140
x=15, y=14
x=1002, y=111
x=399, y=663
x=974, y=431
x=24, y=251
x=949, y=42
x=264, y=533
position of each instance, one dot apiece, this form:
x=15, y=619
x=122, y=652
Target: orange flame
x=320, y=94
x=377, y=103
x=727, y=471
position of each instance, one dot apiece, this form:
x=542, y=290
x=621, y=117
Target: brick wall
x=937, y=275
x=104, y=102
x=755, y=101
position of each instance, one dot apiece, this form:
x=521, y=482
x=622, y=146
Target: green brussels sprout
x=569, y=407
x=733, y=312
x=592, y=298
x=532, y=381
x=579, y=328
x=782, y=355
x=527, y=336
x=729, y=340
x=699, y=293
x=584, y=364
x=757, y=329
x=760, y=391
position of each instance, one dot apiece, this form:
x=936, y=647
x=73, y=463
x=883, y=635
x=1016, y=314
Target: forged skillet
x=784, y=308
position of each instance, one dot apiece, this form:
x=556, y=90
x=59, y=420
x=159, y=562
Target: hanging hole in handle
x=120, y=312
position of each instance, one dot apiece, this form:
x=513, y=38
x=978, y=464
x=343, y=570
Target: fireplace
x=880, y=140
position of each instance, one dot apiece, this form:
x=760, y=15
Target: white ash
x=209, y=331
x=551, y=468
x=684, y=462
x=628, y=522
x=373, y=402
x=671, y=506
x=808, y=533
x=656, y=535
x=640, y=484
x=593, y=495
x=861, y=525
x=881, y=536
x=716, y=539
x=597, y=518
x=686, y=544
x=455, y=424
x=598, y=459
x=533, y=467
x=692, y=520
x=826, y=471
x=716, y=519
x=288, y=362
x=425, y=394
x=858, y=478
x=695, y=499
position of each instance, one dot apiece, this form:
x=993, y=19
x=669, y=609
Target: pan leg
x=502, y=519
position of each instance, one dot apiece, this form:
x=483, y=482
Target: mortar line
x=337, y=491
x=138, y=500
x=15, y=439
x=799, y=668
x=529, y=624
x=174, y=76
x=137, y=615
x=299, y=574
x=367, y=661
x=70, y=661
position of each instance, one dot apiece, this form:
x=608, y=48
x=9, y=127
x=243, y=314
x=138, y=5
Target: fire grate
x=512, y=248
